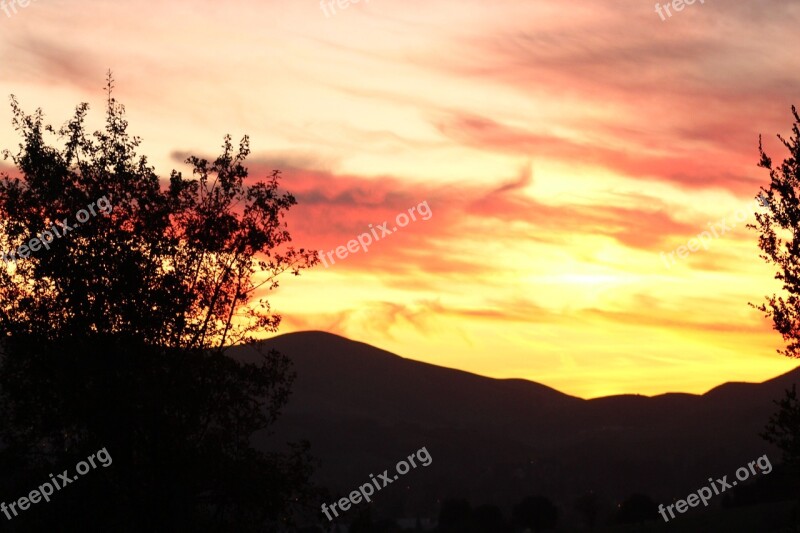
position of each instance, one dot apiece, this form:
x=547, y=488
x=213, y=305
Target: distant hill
x=494, y=440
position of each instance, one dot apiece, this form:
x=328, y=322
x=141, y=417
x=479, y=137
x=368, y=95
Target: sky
x=559, y=152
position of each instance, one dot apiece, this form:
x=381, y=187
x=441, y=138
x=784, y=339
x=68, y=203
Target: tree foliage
x=171, y=266
x=115, y=335
x=779, y=239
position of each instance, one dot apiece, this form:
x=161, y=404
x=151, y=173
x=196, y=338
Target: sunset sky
x=560, y=146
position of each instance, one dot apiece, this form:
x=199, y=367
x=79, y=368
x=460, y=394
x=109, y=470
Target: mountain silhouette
x=363, y=409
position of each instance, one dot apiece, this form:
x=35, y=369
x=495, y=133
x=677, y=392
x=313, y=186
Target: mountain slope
x=363, y=409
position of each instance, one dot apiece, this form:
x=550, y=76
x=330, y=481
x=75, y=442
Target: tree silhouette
x=779, y=241
x=779, y=238
x=114, y=334
x=536, y=512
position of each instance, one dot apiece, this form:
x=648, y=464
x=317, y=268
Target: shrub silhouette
x=115, y=336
